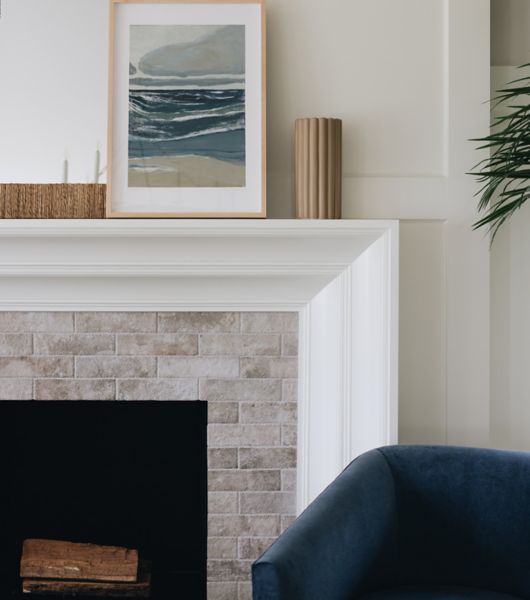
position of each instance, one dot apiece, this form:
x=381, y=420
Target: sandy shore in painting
x=185, y=171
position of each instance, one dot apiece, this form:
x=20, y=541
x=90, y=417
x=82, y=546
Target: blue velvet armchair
x=409, y=523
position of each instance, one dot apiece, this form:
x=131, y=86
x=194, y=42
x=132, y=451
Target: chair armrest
x=333, y=550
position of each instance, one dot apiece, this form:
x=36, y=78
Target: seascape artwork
x=187, y=106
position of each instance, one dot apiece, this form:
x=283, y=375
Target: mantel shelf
x=310, y=254
x=189, y=227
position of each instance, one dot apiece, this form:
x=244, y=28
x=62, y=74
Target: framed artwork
x=186, y=109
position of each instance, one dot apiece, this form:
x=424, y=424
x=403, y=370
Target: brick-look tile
x=37, y=366
x=153, y=344
x=267, y=502
x=244, y=365
x=267, y=412
x=253, y=548
x=36, y=322
x=287, y=521
x=288, y=480
x=244, y=591
x=174, y=366
x=198, y=322
x=240, y=345
x=290, y=390
x=223, y=412
x=229, y=570
x=290, y=412
x=233, y=480
x=15, y=344
x=270, y=322
x=243, y=435
x=290, y=344
x=221, y=590
x=115, y=322
x=222, y=458
x=74, y=343
x=221, y=503
x=240, y=389
x=115, y=366
x=18, y=389
x=222, y=547
x=267, y=458
x=269, y=367
x=157, y=389
x=243, y=525
x=289, y=434
x=75, y=389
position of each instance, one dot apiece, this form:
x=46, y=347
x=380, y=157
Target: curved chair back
x=463, y=517
x=408, y=515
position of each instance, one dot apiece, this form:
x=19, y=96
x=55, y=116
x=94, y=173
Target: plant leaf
x=505, y=174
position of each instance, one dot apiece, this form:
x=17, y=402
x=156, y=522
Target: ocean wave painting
x=187, y=106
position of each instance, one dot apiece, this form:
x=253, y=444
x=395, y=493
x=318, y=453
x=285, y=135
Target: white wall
x=53, y=85
x=409, y=78
x=363, y=62
x=510, y=257
x=510, y=319
x=409, y=87
x=422, y=398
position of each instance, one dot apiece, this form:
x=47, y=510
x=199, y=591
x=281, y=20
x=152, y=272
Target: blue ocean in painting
x=177, y=122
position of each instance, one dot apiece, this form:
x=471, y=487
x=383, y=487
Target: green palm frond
x=505, y=175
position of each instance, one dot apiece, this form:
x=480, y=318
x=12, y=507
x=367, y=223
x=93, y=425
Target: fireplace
x=281, y=426
x=131, y=474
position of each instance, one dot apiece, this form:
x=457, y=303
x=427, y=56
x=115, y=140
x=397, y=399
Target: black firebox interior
x=128, y=474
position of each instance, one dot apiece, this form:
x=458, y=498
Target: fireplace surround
x=340, y=277
x=242, y=366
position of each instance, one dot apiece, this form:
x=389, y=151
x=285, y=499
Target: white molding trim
x=342, y=276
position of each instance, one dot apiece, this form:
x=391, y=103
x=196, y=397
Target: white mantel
x=342, y=277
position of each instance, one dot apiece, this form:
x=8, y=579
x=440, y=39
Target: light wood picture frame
x=187, y=109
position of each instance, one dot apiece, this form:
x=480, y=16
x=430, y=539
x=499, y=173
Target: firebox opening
x=130, y=474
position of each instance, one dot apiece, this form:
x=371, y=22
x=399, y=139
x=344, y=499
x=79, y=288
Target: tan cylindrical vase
x=318, y=168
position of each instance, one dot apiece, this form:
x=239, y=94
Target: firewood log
x=96, y=589
x=52, y=559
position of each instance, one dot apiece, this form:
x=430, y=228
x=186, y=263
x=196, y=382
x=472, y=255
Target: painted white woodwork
x=342, y=276
x=410, y=79
x=449, y=400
